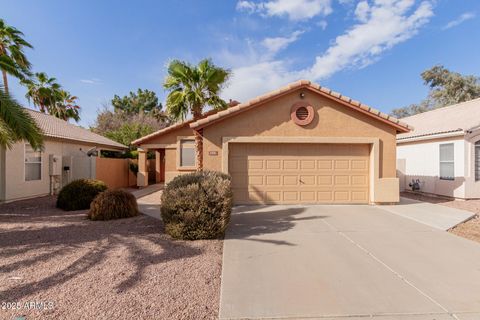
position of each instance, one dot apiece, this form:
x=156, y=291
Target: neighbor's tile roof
x=60, y=129
x=455, y=118
x=401, y=127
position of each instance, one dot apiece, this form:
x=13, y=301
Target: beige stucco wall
x=2, y=173
x=273, y=119
x=169, y=143
x=332, y=120
x=169, y=138
x=15, y=185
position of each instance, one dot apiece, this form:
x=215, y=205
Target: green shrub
x=113, y=204
x=133, y=166
x=197, y=205
x=78, y=194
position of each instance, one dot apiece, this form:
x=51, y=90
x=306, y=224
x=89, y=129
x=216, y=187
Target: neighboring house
x=443, y=151
x=299, y=144
x=26, y=173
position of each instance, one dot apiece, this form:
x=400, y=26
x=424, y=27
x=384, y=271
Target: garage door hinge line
x=370, y=254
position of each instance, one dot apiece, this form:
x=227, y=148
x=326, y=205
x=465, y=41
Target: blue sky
x=372, y=51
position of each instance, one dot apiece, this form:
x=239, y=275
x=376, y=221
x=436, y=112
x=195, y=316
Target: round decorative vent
x=302, y=113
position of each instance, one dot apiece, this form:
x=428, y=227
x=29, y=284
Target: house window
x=477, y=161
x=33, y=163
x=446, y=162
x=187, y=153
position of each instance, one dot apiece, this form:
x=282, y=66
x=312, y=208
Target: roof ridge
x=298, y=84
x=451, y=106
x=177, y=125
x=54, y=127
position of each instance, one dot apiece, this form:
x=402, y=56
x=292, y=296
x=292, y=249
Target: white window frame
x=179, y=154
x=36, y=162
x=446, y=161
x=476, y=160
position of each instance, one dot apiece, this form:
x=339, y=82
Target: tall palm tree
x=49, y=97
x=66, y=106
x=42, y=91
x=17, y=124
x=192, y=88
x=13, y=60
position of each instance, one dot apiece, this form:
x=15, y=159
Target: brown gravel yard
x=469, y=229
x=122, y=269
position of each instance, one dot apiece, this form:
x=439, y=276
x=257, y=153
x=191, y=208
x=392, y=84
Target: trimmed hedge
x=78, y=194
x=113, y=204
x=197, y=205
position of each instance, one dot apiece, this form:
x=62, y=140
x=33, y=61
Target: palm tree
x=42, y=90
x=17, y=124
x=50, y=98
x=13, y=60
x=66, y=106
x=192, y=88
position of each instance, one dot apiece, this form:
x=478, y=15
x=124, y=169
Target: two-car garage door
x=299, y=173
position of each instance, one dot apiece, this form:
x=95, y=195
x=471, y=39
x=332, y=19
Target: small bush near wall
x=197, y=205
x=78, y=194
x=113, y=204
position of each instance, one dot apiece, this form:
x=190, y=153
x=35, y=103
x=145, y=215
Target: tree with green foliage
x=193, y=88
x=12, y=57
x=133, y=116
x=66, y=106
x=16, y=124
x=446, y=88
x=49, y=97
x=140, y=102
x=129, y=131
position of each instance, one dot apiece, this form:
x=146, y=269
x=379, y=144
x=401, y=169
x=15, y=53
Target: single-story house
x=302, y=143
x=27, y=173
x=442, y=152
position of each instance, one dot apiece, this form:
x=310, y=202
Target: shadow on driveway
x=250, y=222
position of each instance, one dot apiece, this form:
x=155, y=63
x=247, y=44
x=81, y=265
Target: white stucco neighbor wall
x=472, y=187
x=421, y=161
x=15, y=185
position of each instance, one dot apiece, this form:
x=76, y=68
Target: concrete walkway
x=434, y=215
x=345, y=262
x=148, y=200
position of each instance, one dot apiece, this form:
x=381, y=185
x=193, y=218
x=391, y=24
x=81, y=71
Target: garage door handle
x=301, y=181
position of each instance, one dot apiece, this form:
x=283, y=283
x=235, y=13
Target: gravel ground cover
x=80, y=269
x=469, y=229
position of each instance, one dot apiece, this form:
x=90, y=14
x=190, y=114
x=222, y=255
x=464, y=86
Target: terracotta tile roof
x=459, y=118
x=236, y=107
x=172, y=127
x=401, y=126
x=60, y=129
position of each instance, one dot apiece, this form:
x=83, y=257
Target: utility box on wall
x=55, y=165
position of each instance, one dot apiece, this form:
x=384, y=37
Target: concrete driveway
x=352, y=262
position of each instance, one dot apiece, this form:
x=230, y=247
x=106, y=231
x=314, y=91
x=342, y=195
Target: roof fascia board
x=360, y=109
x=432, y=137
x=199, y=125
x=102, y=145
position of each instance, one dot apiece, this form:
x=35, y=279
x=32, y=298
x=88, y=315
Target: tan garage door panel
x=299, y=173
